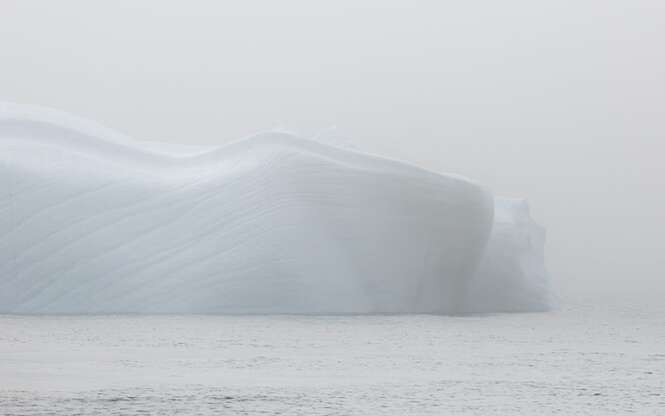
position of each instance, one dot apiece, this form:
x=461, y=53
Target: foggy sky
x=562, y=102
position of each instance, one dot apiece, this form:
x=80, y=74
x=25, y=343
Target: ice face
x=93, y=222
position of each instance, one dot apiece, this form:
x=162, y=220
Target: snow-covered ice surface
x=575, y=361
x=94, y=222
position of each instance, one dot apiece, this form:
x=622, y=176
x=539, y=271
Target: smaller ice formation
x=93, y=222
x=511, y=276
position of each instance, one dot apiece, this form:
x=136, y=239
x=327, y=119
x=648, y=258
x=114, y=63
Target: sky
x=562, y=103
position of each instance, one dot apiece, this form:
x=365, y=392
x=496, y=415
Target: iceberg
x=95, y=222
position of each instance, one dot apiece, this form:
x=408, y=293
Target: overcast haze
x=560, y=102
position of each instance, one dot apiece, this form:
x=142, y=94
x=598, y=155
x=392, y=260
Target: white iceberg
x=93, y=222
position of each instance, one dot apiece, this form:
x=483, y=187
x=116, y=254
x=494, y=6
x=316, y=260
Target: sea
x=580, y=359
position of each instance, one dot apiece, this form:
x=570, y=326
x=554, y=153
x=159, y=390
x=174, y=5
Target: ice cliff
x=93, y=222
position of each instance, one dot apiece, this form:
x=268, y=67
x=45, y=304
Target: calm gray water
x=580, y=360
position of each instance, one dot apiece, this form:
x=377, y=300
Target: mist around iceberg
x=95, y=222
